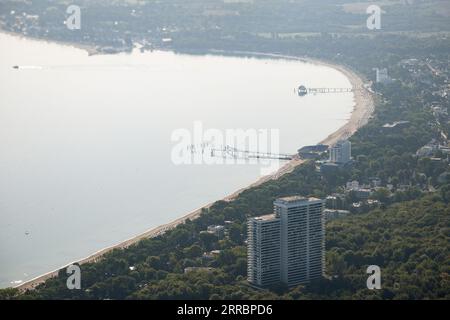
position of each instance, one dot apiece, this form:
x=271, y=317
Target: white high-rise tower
x=302, y=239
x=263, y=250
x=289, y=245
x=341, y=152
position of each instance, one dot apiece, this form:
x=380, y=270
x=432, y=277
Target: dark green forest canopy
x=409, y=241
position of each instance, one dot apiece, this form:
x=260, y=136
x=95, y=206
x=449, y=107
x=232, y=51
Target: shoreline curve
x=362, y=110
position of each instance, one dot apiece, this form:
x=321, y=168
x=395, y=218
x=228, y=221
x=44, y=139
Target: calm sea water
x=85, y=142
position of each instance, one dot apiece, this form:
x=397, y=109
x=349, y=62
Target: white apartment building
x=263, y=250
x=341, y=152
x=289, y=245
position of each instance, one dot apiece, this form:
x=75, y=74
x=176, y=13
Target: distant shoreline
x=363, y=108
x=364, y=104
x=91, y=50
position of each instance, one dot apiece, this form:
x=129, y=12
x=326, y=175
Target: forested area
x=409, y=240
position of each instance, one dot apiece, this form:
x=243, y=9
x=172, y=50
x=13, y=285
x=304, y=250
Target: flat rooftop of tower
x=292, y=199
x=297, y=198
x=266, y=217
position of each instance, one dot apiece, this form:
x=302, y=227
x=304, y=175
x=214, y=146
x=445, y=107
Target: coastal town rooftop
x=266, y=217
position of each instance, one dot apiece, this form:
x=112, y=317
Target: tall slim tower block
x=263, y=250
x=302, y=238
x=289, y=245
x=341, y=152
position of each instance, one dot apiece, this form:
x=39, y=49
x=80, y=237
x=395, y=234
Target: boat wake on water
x=29, y=67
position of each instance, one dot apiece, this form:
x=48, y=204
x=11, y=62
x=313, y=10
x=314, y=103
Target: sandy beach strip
x=362, y=110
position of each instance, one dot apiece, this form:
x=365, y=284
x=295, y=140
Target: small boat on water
x=15, y=67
